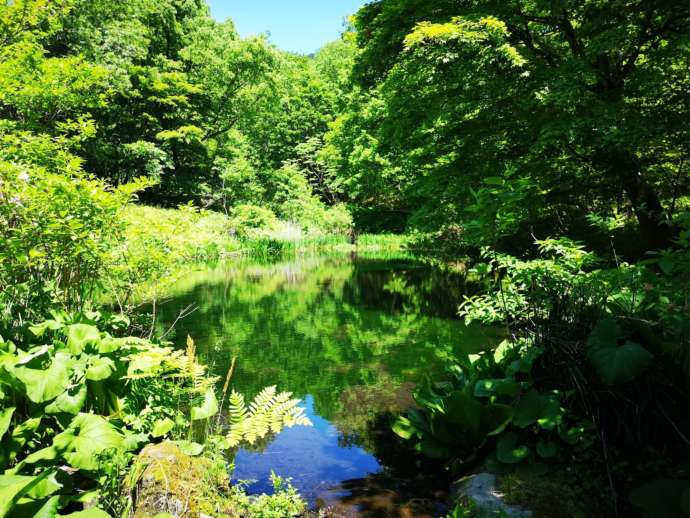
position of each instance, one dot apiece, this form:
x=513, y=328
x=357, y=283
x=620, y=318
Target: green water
x=351, y=336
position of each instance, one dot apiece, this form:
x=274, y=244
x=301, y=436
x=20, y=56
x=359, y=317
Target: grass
x=192, y=236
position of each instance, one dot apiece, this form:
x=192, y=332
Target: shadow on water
x=352, y=337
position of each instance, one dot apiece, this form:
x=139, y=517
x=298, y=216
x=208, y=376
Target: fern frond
x=269, y=412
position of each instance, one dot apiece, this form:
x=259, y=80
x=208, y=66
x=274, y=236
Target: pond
x=349, y=335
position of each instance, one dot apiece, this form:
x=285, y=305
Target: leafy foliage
x=269, y=412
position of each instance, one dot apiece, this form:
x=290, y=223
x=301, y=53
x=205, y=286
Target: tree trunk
x=655, y=231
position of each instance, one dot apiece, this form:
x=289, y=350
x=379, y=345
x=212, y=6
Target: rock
x=482, y=490
x=165, y=480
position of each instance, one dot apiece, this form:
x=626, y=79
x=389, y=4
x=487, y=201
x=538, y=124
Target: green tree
x=584, y=100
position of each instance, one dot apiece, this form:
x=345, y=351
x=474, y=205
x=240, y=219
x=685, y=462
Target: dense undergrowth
x=539, y=147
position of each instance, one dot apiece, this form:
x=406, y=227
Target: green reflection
x=355, y=333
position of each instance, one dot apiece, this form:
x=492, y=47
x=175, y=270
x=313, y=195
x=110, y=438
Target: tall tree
x=583, y=99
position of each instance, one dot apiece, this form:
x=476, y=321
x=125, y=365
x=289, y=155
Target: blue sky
x=296, y=25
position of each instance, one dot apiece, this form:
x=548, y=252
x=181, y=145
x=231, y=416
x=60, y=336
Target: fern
x=269, y=412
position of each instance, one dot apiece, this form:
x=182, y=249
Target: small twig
x=183, y=314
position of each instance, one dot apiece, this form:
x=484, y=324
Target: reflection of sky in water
x=311, y=456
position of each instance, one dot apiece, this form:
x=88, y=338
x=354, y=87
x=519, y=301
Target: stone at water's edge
x=482, y=490
x=165, y=480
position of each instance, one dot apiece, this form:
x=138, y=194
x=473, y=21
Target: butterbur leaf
x=496, y=387
x=46, y=487
x=39, y=329
x=100, y=368
x=45, y=384
x=81, y=335
x=13, y=487
x=208, y=408
x=5, y=420
x=192, y=449
x=535, y=408
x=605, y=334
x=547, y=450
x=495, y=418
x=465, y=412
x=162, y=427
x=19, y=437
x=94, y=512
x=620, y=364
x=87, y=436
x=508, y=451
x=69, y=402
x=49, y=509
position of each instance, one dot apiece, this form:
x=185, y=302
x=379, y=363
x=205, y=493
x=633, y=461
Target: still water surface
x=351, y=336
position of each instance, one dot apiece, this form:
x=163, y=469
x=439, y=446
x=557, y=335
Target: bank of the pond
x=189, y=234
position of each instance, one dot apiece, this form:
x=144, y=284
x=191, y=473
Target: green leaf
x=100, y=368
x=404, y=428
x=465, y=412
x=494, y=180
x=13, y=444
x=208, y=408
x=49, y=509
x=81, y=335
x=508, y=452
x=5, y=420
x=46, y=487
x=496, y=387
x=89, y=513
x=535, y=408
x=616, y=365
x=162, y=427
x=44, y=385
x=667, y=265
x=547, y=450
x=495, y=418
x=605, y=334
x=572, y=435
x=69, y=402
x=87, y=436
x=40, y=329
x=13, y=487
x=192, y=449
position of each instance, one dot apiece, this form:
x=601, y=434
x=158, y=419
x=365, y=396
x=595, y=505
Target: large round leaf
x=536, y=408
x=87, y=436
x=69, y=402
x=45, y=384
x=495, y=418
x=508, y=451
x=13, y=487
x=616, y=365
x=81, y=335
x=100, y=368
x=465, y=413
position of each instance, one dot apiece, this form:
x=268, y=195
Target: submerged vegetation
x=537, y=149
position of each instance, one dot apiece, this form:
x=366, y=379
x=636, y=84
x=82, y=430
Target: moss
x=554, y=495
x=165, y=480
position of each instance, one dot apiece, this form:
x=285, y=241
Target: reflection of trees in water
x=353, y=335
x=360, y=405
